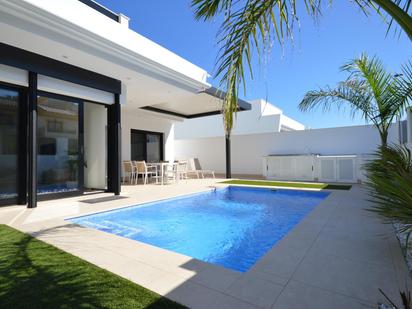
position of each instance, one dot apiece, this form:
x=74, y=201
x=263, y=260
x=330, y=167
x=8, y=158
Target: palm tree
x=254, y=24
x=390, y=186
x=376, y=94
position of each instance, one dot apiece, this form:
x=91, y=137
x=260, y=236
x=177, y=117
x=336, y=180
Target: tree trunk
x=384, y=138
x=228, y=157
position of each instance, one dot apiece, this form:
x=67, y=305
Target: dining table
x=160, y=167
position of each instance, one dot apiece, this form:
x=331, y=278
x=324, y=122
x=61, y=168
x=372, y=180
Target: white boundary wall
x=249, y=150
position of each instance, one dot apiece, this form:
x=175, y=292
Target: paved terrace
x=336, y=257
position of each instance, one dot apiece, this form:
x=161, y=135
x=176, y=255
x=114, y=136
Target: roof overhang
x=207, y=102
x=74, y=33
x=148, y=76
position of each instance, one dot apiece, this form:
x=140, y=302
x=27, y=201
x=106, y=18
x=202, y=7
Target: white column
x=409, y=124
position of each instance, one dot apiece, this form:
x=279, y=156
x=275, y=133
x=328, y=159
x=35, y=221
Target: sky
x=311, y=61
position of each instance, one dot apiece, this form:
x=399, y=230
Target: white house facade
x=80, y=92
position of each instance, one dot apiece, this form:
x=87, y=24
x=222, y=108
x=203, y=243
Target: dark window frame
x=101, y=9
x=22, y=140
x=160, y=134
x=35, y=64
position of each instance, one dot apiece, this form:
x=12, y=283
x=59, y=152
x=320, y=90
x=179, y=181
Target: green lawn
x=288, y=184
x=34, y=274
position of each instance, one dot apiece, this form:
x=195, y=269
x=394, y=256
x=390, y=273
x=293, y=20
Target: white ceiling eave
x=64, y=30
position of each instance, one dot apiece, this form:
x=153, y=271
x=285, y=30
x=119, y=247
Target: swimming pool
x=232, y=227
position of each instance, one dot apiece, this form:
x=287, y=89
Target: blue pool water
x=232, y=227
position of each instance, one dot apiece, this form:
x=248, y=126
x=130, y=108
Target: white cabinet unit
x=312, y=168
x=289, y=167
x=337, y=168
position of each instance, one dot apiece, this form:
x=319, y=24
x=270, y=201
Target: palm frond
x=390, y=185
x=207, y=9
x=350, y=94
x=383, y=85
x=399, y=13
x=247, y=27
x=369, y=90
x=253, y=25
x=371, y=71
x=403, y=84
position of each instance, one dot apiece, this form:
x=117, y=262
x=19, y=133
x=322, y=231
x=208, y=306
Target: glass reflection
x=8, y=142
x=58, y=145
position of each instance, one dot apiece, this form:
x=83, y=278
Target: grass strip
x=34, y=274
x=322, y=186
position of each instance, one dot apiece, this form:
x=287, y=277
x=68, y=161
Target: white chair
x=181, y=169
x=191, y=169
x=129, y=171
x=195, y=168
x=142, y=169
x=155, y=171
x=170, y=173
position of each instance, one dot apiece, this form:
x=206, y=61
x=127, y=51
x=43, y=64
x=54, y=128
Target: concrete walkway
x=336, y=257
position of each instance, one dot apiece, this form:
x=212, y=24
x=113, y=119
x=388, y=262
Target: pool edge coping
x=251, y=272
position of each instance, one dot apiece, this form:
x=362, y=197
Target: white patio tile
x=196, y=296
x=216, y=277
x=303, y=296
x=370, y=251
x=228, y=302
x=352, y=278
x=255, y=290
x=268, y=277
x=337, y=256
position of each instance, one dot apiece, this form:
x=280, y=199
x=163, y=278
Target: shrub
x=390, y=185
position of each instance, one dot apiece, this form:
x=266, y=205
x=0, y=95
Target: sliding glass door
x=9, y=111
x=60, y=145
x=147, y=146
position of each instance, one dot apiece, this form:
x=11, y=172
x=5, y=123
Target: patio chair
x=181, y=169
x=142, y=169
x=129, y=171
x=170, y=173
x=195, y=168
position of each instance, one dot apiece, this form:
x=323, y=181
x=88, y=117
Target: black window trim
x=22, y=140
x=33, y=64
x=101, y=9
x=160, y=134
x=36, y=63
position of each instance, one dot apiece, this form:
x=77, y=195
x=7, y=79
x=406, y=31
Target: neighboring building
x=80, y=92
x=265, y=143
x=264, y=117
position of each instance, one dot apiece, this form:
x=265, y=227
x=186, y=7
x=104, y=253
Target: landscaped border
x=39, y=275
x=300, y=185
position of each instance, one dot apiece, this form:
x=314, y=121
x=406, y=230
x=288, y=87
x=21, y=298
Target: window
x=47, y=146
x=54, y=126
x=9, y=100
x=147, y=146
x=73, y=146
